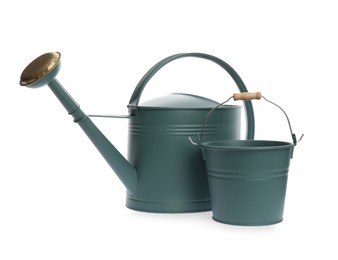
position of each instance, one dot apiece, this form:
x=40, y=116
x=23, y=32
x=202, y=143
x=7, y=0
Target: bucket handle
x=245, y=96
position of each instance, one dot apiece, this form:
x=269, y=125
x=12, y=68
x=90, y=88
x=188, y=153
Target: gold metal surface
x=39, y=68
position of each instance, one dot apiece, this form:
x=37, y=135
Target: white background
x=59, y=199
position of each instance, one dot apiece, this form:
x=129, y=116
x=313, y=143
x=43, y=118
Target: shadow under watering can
x=164, y=171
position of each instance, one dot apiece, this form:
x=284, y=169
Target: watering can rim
x=182, y=101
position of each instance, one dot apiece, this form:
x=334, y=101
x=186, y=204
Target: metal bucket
x=247, y=178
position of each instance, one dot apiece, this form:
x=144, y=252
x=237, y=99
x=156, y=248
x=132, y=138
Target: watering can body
x=164, y=171
x=171, y=172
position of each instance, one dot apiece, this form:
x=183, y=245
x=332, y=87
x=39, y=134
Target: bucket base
x=159, y=207
x=248, y=224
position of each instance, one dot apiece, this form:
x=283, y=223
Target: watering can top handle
x=135, y=98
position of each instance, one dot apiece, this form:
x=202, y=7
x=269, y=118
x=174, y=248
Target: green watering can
x=164, y=172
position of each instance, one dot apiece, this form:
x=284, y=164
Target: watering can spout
x=42, y=71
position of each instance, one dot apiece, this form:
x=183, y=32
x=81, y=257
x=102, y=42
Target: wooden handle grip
x=247, y=96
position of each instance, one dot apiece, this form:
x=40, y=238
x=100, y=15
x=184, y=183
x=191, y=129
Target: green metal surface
x=247, y=180
x=171, y=172
x=178, y=101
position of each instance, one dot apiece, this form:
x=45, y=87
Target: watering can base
x=165, y=207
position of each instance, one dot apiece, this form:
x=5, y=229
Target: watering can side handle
x=135, y=98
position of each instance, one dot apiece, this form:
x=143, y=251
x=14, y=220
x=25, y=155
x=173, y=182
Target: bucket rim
x=247, y=145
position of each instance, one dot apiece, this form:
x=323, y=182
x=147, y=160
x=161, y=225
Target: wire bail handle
x=245, y=96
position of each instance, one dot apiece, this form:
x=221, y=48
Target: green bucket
x=247, y=178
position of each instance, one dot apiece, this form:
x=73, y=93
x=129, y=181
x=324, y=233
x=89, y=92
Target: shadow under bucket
x=247, y=180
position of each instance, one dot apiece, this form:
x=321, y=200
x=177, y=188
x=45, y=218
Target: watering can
x=164, y=172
